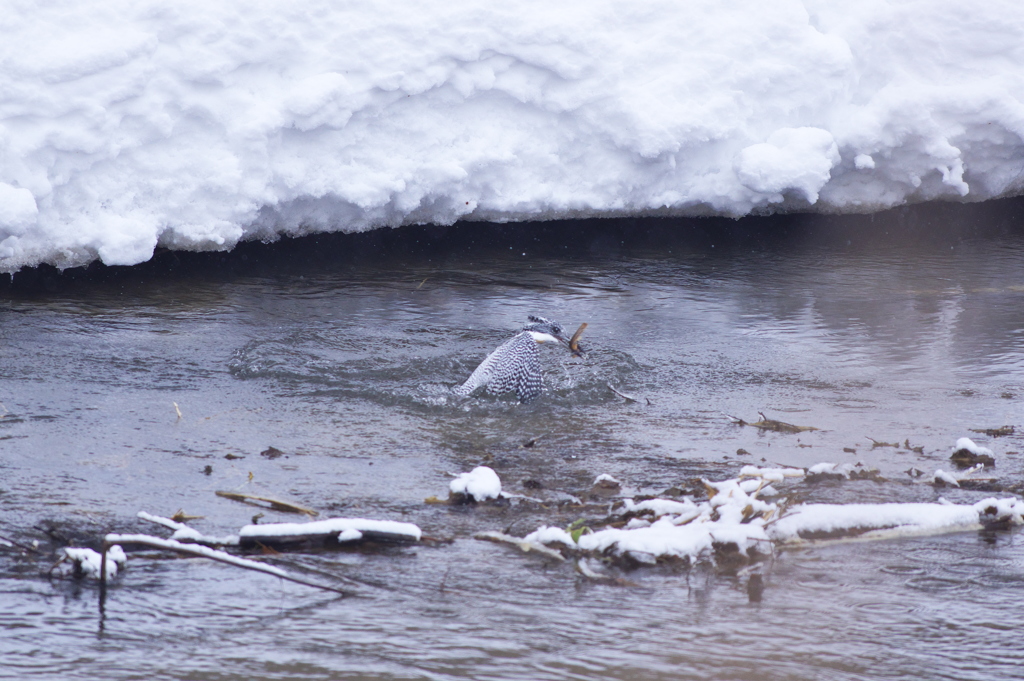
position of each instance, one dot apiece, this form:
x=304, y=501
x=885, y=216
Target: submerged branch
x=275, y=504
x=771, y=424
x=628, y=398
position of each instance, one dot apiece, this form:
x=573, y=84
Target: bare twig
x=205, y=552
x=23, y=547
x=628, y=398
x=276, y=504
x=525, y=546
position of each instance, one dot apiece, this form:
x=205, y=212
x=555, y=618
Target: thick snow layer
x=771, y=474
x=90, y=562
x=660, y=507
x=894, y=519
x=734, y=515
x=192, y=125
x=481, y=483
x=347, y=529
x=968, y=444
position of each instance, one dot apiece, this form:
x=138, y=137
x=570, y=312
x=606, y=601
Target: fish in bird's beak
x=574, y=342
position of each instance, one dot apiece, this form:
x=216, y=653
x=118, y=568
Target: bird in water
x=515, y=364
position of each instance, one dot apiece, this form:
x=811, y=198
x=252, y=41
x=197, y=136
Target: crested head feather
x=542, y=325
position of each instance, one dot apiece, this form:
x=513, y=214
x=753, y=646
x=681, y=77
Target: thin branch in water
x=628, y=398
x=276, y=504
x=203, y=552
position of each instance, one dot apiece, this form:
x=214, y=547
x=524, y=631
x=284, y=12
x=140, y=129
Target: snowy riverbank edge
x=128, y=126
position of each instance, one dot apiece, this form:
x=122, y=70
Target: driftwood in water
x=321, y=534
x=521, y=544
x=995, y=432
x=771, y=424
x=275, y=504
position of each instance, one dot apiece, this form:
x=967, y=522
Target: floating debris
x=917, y=450
x=272, y=453
x=875, y=444
x=276, y=504
x=995, y=432
x=771, y=424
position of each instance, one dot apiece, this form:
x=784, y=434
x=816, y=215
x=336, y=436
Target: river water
x=339, y=352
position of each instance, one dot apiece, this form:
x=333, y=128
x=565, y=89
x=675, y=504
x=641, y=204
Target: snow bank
x=346, y=529
x=128, y=125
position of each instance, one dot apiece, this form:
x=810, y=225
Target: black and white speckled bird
x=515, y=364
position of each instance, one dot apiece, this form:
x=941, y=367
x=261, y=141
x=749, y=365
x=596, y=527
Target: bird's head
x=545, y=331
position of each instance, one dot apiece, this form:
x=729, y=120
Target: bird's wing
x=530, y=383
x=513, y=366
x=519, y=370
x=485, y=373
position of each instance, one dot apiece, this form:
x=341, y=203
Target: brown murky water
x=339, y=352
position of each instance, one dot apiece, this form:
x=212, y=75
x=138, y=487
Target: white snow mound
x=130, y=125
x=481, y=483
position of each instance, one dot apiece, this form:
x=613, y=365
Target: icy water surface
x=339, y=352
